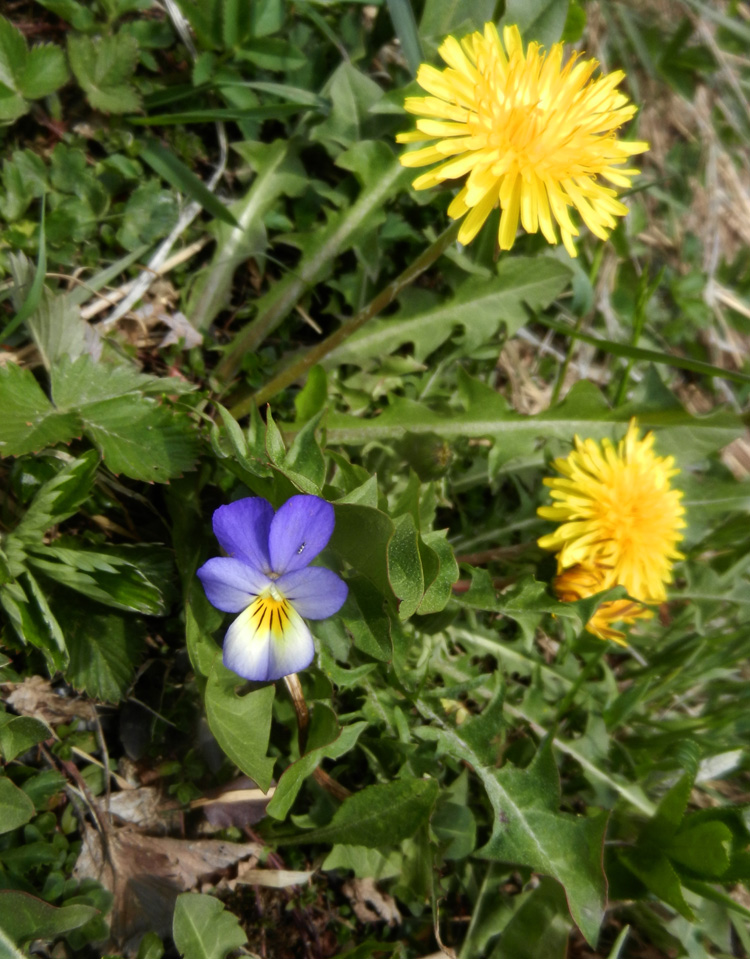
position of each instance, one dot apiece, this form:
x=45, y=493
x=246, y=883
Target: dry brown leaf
x=145, y=874
x=238, y=803
x=37, y=697
x=249, y=875
x=369, y=903
x=143, y=807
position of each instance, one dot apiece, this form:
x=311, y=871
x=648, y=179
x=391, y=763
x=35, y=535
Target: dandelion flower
x=620, y=519
x=534, y=135
x=580, y=582
x=267, y=579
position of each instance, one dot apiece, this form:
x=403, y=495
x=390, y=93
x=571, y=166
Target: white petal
x=268, y=640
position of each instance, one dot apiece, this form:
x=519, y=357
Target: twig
x=115, y=296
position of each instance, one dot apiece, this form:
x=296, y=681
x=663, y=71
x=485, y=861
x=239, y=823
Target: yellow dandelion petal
x=536, y=135
x=582, y=581
x=617, y=511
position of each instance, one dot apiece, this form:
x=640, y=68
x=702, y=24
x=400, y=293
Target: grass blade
x=650, y=356
x=174, y=171
x=402, y=17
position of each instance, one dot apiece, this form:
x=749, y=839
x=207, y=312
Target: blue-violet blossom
x=267, y=579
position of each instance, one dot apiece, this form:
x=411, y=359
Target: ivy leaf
x=104, y=67
x=203, y=929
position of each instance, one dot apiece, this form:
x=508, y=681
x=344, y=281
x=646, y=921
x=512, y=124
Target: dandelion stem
x=298, y=367
x=588, y=670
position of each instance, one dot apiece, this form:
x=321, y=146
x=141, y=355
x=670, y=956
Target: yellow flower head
x=579, y=582
x=617, y=514
x=534, y=135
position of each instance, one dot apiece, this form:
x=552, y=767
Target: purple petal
x=230, y=584
x=264, y=653
x=242, y=530
x=299, y=531
x=314, y=592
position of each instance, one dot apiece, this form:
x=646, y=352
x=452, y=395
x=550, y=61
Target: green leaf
x=149, y=214
x=361, y=537
x=55, y=323
x=104, y=650
x=305, y=457
x=174, y=171
x=33, y=620
x=57, y=499
x=352, y=94
x=203, y=929
x=529, y=829
x=365, y=618
x=704, y=847
x=36, y=289
x=76, y=14
x=135, y=434
x=277, y=172
x=455, y=825
x=26, y=74
x=486, y=414
x=312, y=397
x=241, y=724
x=381, y=815
x=273, y=53
x=45, y=71
x=24, y=917
x=16, y=809
x=657, y=873
x=321, y=247
x=104, y=577
x=540, y=20
x=13, y=53
x=480, y=308
x=440, y=590
x=459, y=17
x=29, y=421
x=405, y=26
x=649, y=356
x=539, y=926
x=104, y=67
x=294, y=776
x=405, y=572
x=19, y=733
x=150, y=947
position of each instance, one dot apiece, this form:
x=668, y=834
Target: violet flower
x=267, y=579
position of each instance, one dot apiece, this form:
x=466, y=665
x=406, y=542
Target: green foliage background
x=190, y=203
